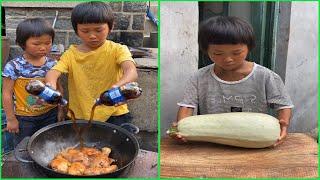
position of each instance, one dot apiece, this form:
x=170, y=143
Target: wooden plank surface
x=296, y=157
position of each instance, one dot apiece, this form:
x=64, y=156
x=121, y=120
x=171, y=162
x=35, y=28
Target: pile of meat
x=84, y=161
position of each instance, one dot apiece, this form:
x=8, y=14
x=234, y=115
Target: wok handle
x=130, y=127
x=22, y=147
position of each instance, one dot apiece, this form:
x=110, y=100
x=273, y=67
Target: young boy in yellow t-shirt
x=95, y=65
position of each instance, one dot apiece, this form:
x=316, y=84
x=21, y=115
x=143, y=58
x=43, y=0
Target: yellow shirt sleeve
x=123, y=54
x=64, y=62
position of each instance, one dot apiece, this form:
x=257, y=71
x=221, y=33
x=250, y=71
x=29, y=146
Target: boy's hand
x=51, y=86
x=283, y=133
x=114, y=86
x=173, y=133
x=12, y=125
x=120, y=103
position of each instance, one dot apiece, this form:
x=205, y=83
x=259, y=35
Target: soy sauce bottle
x=120, y=94
x=49, y=95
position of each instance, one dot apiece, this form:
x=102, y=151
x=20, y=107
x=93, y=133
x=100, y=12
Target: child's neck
x=85, y=48
x=236, y=74
x=34, y=60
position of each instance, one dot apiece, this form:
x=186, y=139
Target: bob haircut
x=33, y=27
x=91, y=12
x=225, y=30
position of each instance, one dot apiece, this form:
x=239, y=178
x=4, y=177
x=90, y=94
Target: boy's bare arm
x=7, y=93
x=184, y=112
x=130, y=73
x=62, y=110
x=59, y=86
x=52, y=78
x=284, y=116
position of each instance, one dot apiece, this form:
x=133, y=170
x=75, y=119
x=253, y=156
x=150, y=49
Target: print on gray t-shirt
x=261, y=89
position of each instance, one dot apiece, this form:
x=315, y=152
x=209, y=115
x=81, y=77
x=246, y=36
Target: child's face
x=93, y=35
x=228, y=56
x=38, y=46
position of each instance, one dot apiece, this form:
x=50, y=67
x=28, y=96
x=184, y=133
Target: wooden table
x=296, y=157
x=145, y=166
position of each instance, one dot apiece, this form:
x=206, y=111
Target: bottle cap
x=97, y=101
x=64, y=102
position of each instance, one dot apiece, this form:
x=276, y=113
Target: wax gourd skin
x=241, y=129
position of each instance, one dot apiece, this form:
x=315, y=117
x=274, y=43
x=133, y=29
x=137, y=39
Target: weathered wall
x=302, y=65
x=179, y=54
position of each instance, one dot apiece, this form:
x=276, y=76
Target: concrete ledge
x=148, y=62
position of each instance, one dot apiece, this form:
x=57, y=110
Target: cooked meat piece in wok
x=60, y=164
x=84, y=161
x=90, y=151
x=75, y=155
x=109, y=169
x=100, y=160
x=93, y=171
x=100, y=170
x=106, y=151
x=76, y=168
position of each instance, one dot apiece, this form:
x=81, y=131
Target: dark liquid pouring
x=81, y=130
x=75, y=127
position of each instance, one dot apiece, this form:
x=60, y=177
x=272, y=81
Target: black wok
x=52, y=139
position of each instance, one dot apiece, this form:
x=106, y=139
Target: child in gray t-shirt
x=232, y=83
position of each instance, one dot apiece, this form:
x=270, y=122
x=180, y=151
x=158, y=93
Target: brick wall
x=128, y=27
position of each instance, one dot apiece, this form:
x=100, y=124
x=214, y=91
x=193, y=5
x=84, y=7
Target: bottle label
x=47, y=94
x=115, y=95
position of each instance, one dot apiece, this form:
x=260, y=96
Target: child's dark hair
x=225, y=30
x=92, y=12
x=33, y=27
